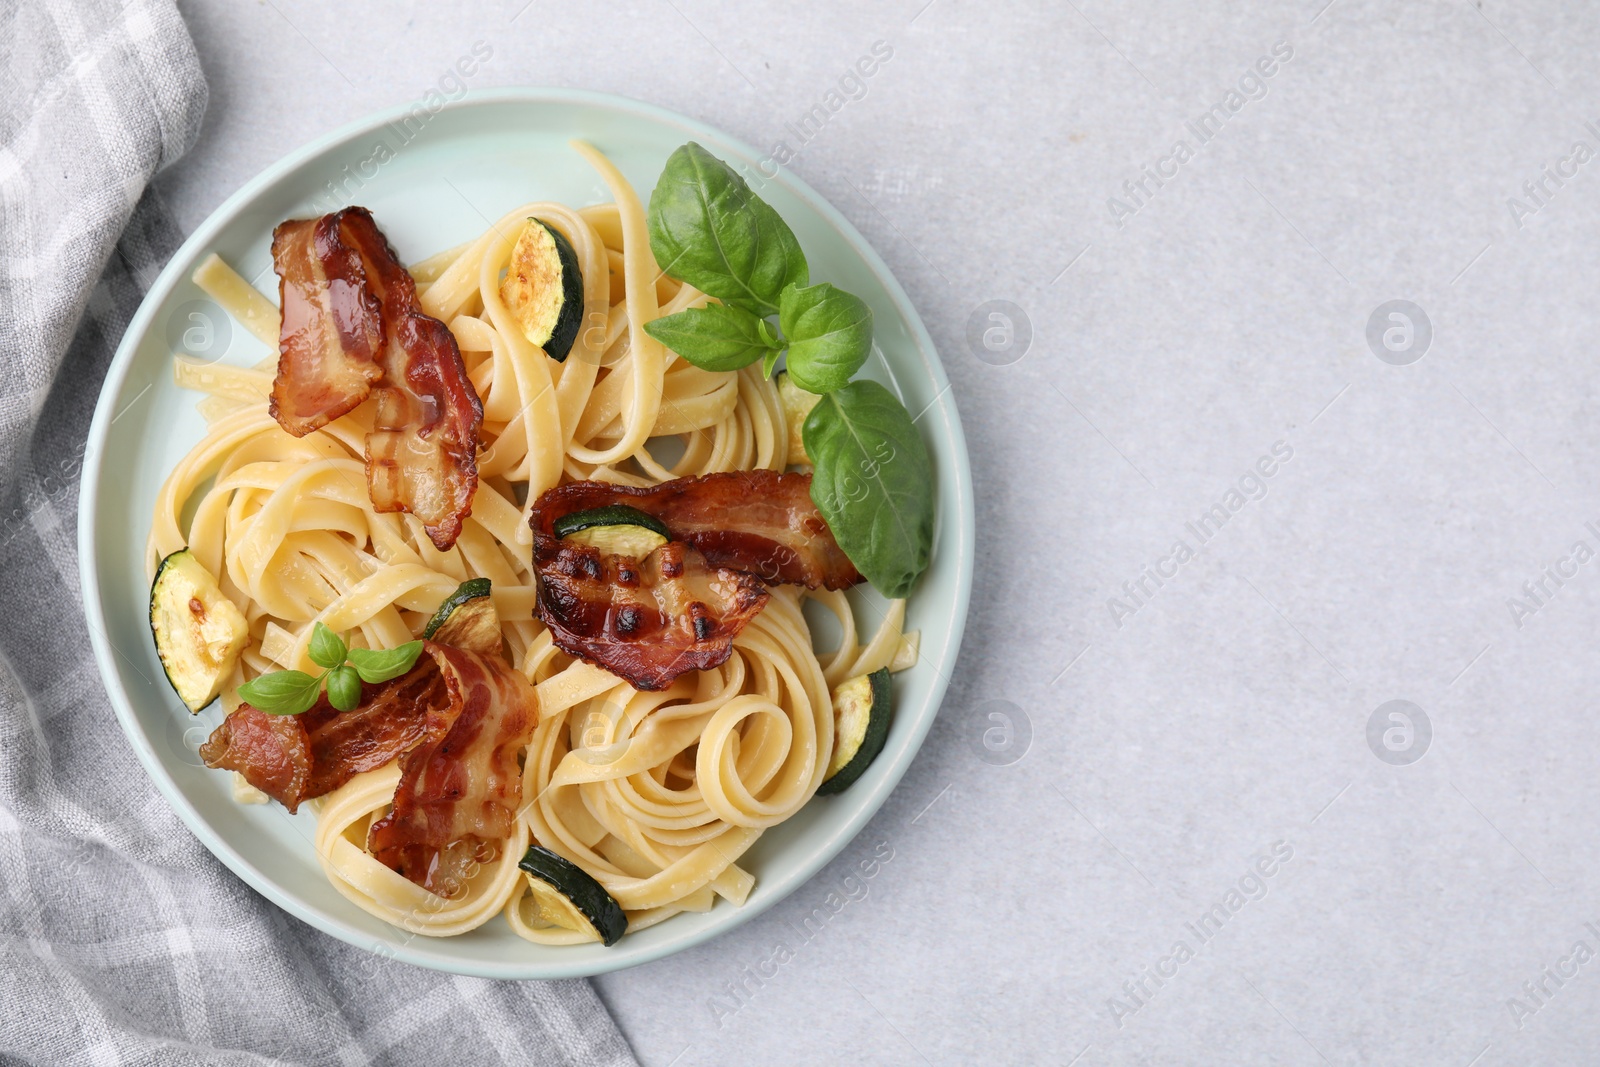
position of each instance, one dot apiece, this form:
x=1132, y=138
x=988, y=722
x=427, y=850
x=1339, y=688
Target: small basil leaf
x=829, y=332
x=715, y=337
x=281, y=692
x=709, y=229
x=327, y=648
x=873, y=483
x=344, y=688
x=380, y=665
x=770, y=362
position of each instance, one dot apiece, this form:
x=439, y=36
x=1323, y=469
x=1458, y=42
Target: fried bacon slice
x=332, y=331
x=761, y=522
x=273, y=752
x=422, y=452
x=646, y=621
x=457, y=722
x=293, y=758
x=462, y=784
x=352, y=325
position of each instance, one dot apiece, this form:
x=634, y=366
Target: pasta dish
x=505, y=564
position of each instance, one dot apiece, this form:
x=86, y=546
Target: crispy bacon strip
x=422, y=452
x=646, y=621
x=273, y=752
x=293, y=758
x=462, y=784
x=761, y=522
x=332, y=330
x=352, y=325
x=456, y=721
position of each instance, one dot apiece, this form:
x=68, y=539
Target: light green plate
x=461, y=168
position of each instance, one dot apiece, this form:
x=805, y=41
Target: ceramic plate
x=436, y=181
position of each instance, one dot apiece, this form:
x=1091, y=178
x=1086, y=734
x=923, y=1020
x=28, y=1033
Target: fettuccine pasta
x=657, y=795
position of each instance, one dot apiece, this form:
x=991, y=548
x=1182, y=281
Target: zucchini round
x=569, y=896
x=543, y=289
x=198, y=631
x=467, y=619
x=862, y=709
x=616, y=530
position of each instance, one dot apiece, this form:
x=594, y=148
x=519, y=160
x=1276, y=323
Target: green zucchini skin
x=570, y=321
x=611, y=515
x=471, y=589
x=586, y=894
x=878, y=721
x=468, y=620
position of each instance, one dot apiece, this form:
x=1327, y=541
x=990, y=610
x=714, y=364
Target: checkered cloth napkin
x=122, y=941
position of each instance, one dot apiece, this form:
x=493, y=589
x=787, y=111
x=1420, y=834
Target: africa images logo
x=1253, y=885
x=1203, y=128
x=1140, y=590
x=735, y=995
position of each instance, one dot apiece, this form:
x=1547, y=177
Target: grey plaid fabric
x=122, y=941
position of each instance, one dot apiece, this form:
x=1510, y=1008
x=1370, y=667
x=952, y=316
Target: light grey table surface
x=1043, y=896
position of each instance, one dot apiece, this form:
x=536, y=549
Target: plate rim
x=959, y=539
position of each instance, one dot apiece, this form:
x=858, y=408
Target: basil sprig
x=345, y=668
x=708, y=229
x=873, y=479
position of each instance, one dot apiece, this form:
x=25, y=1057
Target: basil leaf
x=710, y=230
x=344, y=688
x=281, y=692
x=327, y=648
x=873, y=483
x=715, y=337
x=380, y=665
x=829, y=332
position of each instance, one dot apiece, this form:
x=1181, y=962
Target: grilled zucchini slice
x=797, y=404
x=467, y=619
x=543, y=288
x=569, y=897
x=862, y=708
x=616, y=530
x=199, y=632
